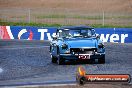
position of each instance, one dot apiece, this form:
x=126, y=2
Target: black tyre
x=60, y=61
x=54, y=60
x=101, y=60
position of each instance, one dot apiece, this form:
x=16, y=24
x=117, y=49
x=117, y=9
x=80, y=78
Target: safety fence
x=65, y=16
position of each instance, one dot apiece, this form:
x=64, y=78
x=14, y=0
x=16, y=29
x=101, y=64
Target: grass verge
x=70, y=16
x=59, y=25
x=81, y=17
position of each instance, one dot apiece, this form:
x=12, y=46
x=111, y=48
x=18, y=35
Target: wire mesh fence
x=64, y=16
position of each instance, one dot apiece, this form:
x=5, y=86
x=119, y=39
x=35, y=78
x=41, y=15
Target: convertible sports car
x=79, y=43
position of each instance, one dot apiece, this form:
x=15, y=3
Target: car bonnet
x=80, y=43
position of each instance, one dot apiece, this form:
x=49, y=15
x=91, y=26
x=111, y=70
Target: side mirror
x=97, y=36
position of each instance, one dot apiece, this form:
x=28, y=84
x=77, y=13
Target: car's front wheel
x=54, y=60
x=60, y=60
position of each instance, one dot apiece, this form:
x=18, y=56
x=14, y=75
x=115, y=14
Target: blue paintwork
x=78, y=42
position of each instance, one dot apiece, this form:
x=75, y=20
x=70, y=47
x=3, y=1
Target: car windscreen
x=75, y=33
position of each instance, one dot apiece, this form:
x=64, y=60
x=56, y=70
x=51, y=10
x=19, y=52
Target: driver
x=76, y=33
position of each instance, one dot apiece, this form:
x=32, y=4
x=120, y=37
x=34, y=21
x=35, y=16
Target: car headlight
x=100, y=45
x=64, y=46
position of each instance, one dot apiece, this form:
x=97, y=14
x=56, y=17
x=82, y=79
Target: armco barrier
x=122, y=35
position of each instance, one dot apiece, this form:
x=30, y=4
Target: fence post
x=29, y=15
x=103, y=18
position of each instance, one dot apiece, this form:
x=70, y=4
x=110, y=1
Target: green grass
x=51, y=16
x=88, y=17
x=122, y=17
x=28, y=24
x=110, y=26
x=15, y=17
x=81, y=17
x=59, y=25
x=69, y=16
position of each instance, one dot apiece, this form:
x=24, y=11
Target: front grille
x=83, y=50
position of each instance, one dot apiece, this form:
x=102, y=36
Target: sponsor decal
x=24, y=31
x=4, y=32
x=114, y=37
x=82, y=77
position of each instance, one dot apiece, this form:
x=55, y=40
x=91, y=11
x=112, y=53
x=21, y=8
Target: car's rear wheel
x=54, y=60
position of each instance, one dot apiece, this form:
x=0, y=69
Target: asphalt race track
x=28, y=62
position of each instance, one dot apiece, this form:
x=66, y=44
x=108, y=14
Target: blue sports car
x=79, y=43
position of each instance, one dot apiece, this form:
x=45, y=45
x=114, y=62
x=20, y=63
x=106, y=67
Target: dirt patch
x=88, y=5
x=74, y=12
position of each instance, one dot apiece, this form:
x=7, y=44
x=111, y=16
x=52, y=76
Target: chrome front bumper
x=75, y=56
x=81, y=54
